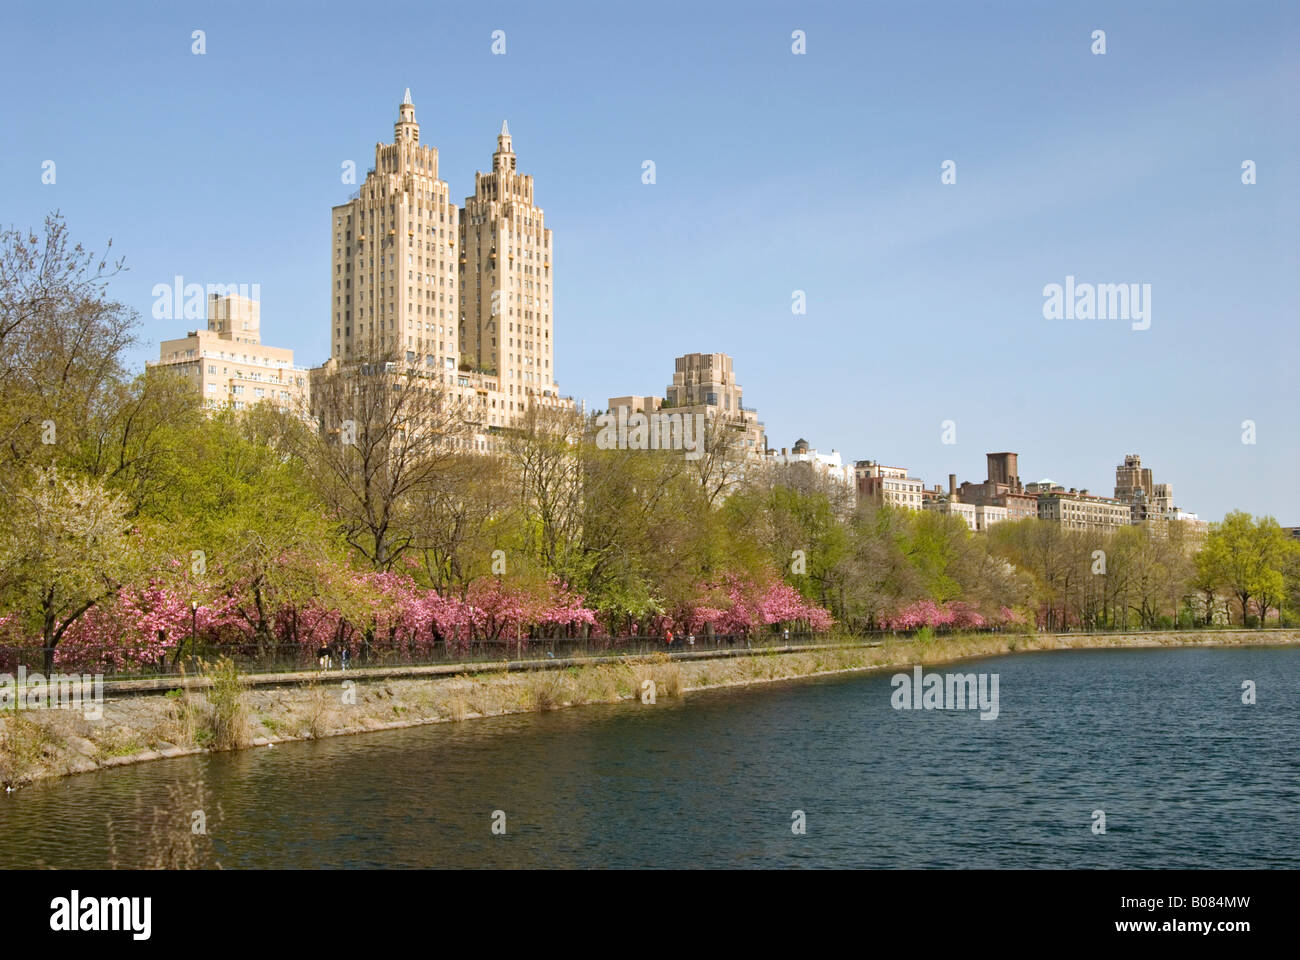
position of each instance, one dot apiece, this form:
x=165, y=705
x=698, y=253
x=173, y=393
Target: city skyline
x=913, y=316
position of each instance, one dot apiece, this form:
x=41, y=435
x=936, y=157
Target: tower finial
x=505, y=130
x=407, y=98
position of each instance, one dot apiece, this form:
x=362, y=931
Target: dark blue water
x=1159, y=740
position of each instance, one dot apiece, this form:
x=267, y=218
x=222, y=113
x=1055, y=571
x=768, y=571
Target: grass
x=457, y=706
x=546, y=691
x=594, y=684
x=119, y=744
x=25, y=745
x=272, y=725
x=187, y=723
x=229, y=722
x=318, y=716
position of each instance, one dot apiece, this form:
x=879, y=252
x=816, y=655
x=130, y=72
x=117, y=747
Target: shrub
x=229, y=717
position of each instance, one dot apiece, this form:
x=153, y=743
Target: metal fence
x=289, y=657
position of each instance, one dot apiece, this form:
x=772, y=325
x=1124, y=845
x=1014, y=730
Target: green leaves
x=63, y=547
x=1249, y=558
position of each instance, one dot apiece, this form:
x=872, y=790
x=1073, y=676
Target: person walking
x=668, y=635
x=323, y=657
x=345, y=655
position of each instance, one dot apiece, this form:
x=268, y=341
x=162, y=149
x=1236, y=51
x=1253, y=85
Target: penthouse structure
x=229, y=366
x=705, y=383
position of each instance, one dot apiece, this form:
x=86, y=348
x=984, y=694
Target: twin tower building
x=463, y=294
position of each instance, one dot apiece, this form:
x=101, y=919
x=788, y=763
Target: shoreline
x=50, y=744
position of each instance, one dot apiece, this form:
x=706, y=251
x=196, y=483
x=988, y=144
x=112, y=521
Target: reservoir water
x=1159, y=740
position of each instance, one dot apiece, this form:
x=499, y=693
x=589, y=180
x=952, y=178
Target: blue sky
x=775, y=173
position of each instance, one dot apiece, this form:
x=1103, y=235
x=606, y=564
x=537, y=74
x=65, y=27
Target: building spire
x=406, y=128
x=504, y=158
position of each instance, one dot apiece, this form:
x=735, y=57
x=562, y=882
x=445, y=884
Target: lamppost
x=194, y=629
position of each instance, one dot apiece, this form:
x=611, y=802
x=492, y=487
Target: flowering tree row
x=159, y=621
x=734, y=605
x=955, y=615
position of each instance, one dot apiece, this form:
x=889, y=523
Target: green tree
x=263, y=534
x=1246, y=557
x=64, y=547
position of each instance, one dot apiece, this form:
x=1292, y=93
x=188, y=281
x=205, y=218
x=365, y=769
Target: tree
x=545, y=454
x=139, y=444
x=63, y=548
x=723, y=461
x=1291, y=573
x=643, y=523
x=262, y=535
x=1274, y=554
x=61, y=346
x=1206, y=580
x=877, y=579
x=388, y=437
x=461, y=518
x=1051, y=556
x=1247, y=557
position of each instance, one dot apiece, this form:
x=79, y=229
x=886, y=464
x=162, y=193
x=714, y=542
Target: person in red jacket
x=668, y=635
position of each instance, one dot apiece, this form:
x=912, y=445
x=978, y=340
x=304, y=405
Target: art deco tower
x=393, y=273
x=505, y=270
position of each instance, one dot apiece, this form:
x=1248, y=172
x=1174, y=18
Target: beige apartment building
x=230, y=366
x=408, y=284
x=1078, y=509
x=953, y=508
x=505, y=271
x=987, y=514
x=1136, y=485
x=705, y=383
x=889, y=486
x=393, y=275
x=635, y=404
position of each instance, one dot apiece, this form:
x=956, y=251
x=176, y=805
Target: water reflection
x=1159, y=739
